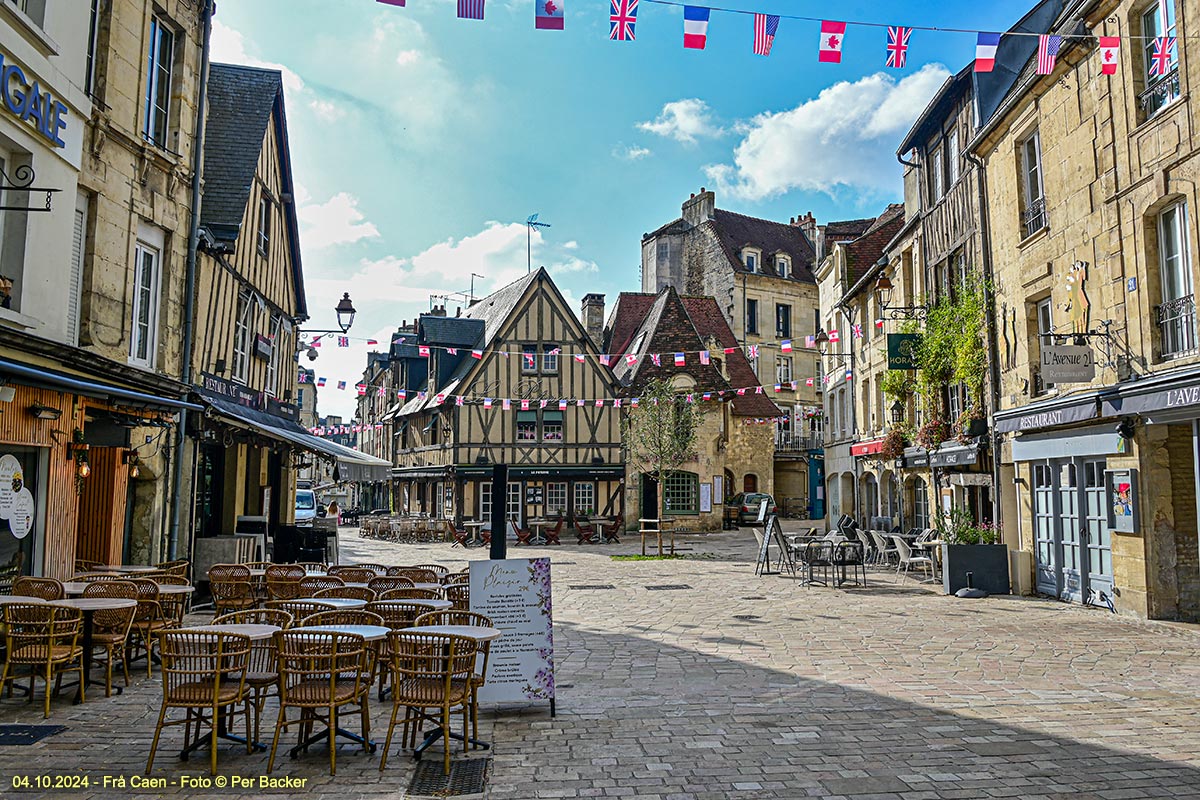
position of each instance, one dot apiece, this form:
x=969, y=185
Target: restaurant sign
x=245, y=396
x=902, y=350
x=1067, y=363
x=870, y=448
x=1036, y=418
x=514, y=594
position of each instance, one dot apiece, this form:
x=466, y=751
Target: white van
x=306, y=508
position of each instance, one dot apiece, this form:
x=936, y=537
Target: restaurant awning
x=351, y=464
x=39, y=376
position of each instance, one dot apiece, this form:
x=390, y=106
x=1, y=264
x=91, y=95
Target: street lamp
x=345, y=319
x=897, y=412
x=883, y=293
x=345, y=313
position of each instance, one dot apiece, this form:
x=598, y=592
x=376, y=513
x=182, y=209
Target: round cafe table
x=256, y=632
x=338, y=602
x=126, y=568
x=76, y=588
x=432, y=605
x=371, y=633
x=13, y=599
x=437, y=587
x=89, y=606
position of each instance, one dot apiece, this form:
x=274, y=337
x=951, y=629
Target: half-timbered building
x=514, y=380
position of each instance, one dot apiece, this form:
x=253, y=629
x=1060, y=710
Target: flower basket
x=893, y=445
x=933, y=433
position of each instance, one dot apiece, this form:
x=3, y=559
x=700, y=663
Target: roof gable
x=737, y=231
x=862, y=253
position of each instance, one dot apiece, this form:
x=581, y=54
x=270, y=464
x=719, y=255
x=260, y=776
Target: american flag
x=470, y=9
x=765, y=26
x=605, y=360
x=622, y=19
x=1160, y=59
x=1047, y=53
x=506, y=404
x=341, y=384
x=897, y=46
x=704, y=359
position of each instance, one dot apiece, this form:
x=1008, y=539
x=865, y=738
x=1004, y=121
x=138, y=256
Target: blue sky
x=420, y=142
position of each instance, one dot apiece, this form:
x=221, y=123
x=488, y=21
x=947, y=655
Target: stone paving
x=745, y=687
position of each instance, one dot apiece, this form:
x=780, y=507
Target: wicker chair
x=180, y=567
x=441, y=571
x=44, y=638
x=299, y=608
x=202, y=672
x=348, y=592
x=262, y=673
x=386, y=584
x=232, y=589
x=42, y=588
x=397, y=615
x=283, y=581
x=175, y=604
x=460, y=595
x=149, y=619
x=415, y=574
x=87, y=565
x=89, y=577
x=315, y=583
x=342, y=616
x=322, y=672
x=456, y=578
x=455, y=617
x=111, y=627
x=313, y=567
x=258, y=564
x=11, y=571
x=429, y=671
x=379, y=569
x=257, y=616
x=354, y=574
x=411, y=594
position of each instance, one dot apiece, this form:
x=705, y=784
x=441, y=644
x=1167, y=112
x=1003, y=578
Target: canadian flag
x=832, y=34
x=1109, y=47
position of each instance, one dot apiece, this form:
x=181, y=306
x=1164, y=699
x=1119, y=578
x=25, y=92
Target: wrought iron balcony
x=1159, y=93
x=1033, y=218
x=796, y=443
x=1177, y=325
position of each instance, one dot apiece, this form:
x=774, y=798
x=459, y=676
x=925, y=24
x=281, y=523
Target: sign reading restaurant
x=25, y=100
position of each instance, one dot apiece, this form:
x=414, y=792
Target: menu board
x=16, y=501
x=515, y=594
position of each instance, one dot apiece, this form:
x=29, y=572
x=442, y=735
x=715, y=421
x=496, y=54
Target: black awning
x=1175, y=391
x=1035, y=416
x=39, y=376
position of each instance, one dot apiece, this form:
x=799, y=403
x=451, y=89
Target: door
x=1071, y=537
x=1069, y=533
x=750, y=483
x=1097, y=537
x=649, y=497
x=1044, y=530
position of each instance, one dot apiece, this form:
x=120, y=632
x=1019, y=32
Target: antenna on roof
x=530, y=224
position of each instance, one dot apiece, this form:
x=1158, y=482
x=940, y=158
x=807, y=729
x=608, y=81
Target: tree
x=660, y=434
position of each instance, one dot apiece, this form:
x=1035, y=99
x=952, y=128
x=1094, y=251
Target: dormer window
x=750, y=259
x=783, y=267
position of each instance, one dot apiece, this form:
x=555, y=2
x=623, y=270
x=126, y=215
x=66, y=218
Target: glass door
x=1098, y=538
x=1044, y=530
x=1070, y=534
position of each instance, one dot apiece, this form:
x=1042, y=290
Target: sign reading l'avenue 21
x=902, y=350
x=1067, y=363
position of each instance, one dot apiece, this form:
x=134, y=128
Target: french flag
x=680, y=359
x=985, y=51
x=695, y=27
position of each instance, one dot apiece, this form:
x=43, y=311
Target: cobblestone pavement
x=745, y=687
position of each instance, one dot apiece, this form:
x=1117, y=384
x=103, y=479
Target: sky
x=421, y=142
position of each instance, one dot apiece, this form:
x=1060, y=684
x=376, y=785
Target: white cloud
x=336, y=221
x=406, y=57
x=229, y=47
x=327, y=110
x=684, y=121
x=632, y=152
x=844, y=138
x=571, y=245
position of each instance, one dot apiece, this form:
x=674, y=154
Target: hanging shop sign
x=263, y=347
x=1068, y=363
x=25, y=100
x=902, y=350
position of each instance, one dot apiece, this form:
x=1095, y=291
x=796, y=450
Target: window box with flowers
x=933, y=433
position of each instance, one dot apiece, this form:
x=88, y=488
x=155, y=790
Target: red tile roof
x=863, y=252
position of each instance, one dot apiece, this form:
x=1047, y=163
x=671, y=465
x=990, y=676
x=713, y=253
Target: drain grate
x=17, y=735
x=562, y=563
x=746, y=616
x=466, y=777
x=668, y=587
x=599, y=587
x=756, y=597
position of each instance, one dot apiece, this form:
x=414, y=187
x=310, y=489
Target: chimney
x=699, y=208
x=593, y=317
x=815, y=235
x=437, y=311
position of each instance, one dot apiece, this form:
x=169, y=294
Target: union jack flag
x=382, y=391
x=343, y=341
x=657, y=359
x=458, y=400
x=897, y=46
x=752, y=352
x=857, y=330
x=302, y=377
x=1160, y=59
x=622, y=19
x=452, y=351
x=765, y=26
x=470, y=9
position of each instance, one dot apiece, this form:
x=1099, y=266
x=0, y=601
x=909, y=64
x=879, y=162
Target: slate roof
x=863, y=252
x=497, y=306
x=450, y=331
x=844, y=230
x=737, y=231
x=636, y=313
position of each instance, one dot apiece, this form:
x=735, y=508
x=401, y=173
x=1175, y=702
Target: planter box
x=988, y=564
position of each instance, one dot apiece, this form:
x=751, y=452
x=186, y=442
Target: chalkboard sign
x=763, y=567
x=773, y=528
x=533, y=495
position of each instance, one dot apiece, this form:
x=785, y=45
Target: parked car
x=306, y=508
x=746, y=506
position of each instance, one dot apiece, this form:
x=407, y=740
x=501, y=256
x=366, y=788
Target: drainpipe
x=993, y=341
x=189, y=291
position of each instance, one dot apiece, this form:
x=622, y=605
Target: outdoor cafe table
x=338, y=602
x=126, y=568
x=539, y=526
x=89, y=606
x=12, y=599
x=79, y=587
x=432, y=605
x=475, y=526
x=437, y=587
x=479, y=633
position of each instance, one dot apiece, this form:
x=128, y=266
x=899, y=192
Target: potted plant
x=893, y=443
x=971, y=425
x=970, y=547
x=933, y=433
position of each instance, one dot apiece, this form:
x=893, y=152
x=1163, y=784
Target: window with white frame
x=681, y=493
x=556, y=498
x=160, y=64
x=550, y=354
x=515, y=505
x=241, y=336
x=272, y=387
x=920, y=504
x=34, y=9
x=750, y=259
x=1177, y=314
x=952, y=158
x=485, y=500
x=783, y=369
x=89, y=78
x=143, y=340
x=552, y=426
x=1045, y=326
x=783, y=266
x=1161, y=69
x=585, y=498
x=264, y=225
x=937, y=178
x=529, y=359
x=1033, y=205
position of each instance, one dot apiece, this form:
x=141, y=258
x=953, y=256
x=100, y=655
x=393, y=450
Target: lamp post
x=897, y=412
x=345, y=319
x=883, y=293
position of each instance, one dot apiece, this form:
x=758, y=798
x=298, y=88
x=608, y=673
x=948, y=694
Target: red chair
x=523, y=536
x=552, y=533
x=609, y=532
x=585, y=529
x=460, y=536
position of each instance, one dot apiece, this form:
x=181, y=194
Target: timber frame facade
x=562, y=461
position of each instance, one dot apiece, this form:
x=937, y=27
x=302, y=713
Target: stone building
x=760, y=273
x=376, y=394
x=1091, y=186
x=734, y=443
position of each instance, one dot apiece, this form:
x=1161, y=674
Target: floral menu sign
x=515, y=594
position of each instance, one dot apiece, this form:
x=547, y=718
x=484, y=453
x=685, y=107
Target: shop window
x=264, y=225
x=1033, y=199
x=1177, y=314
x=23, y=493
x=681, y=493
x=920, y=504
x=783, y=321
x=160, y=64
x=1160, y=70
x=527, y=426
x=143, y=340
x=556, y=498
x=585, y=498
x=552, y=426
x=751, y=316
x=241, y=336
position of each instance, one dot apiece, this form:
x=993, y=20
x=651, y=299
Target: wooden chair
x=149, y=619
x=460, y=595
x=353, y=574
x=299, y=608
x=322, y=672
x=44, y=638
x=524, y=535
x=342, y=616
x=429, y=671
x=175, y=605
x=396, y=615
x=10, y=572
x=456, y=617
x=178, y=567
x=231, y=587
x=283, y=581
x=350, y=592
x=458, y=535
x=262, y=672
x=584, y=529
x=111, y=627
x=387, y=583
x=609, y=533
x=440, y=570
x=43, y=588
x=256, y=616
x=202, y=672
x=315, y=583
x=552, y=534
x=456, y=578
x=411, y=594
x=258, y=564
